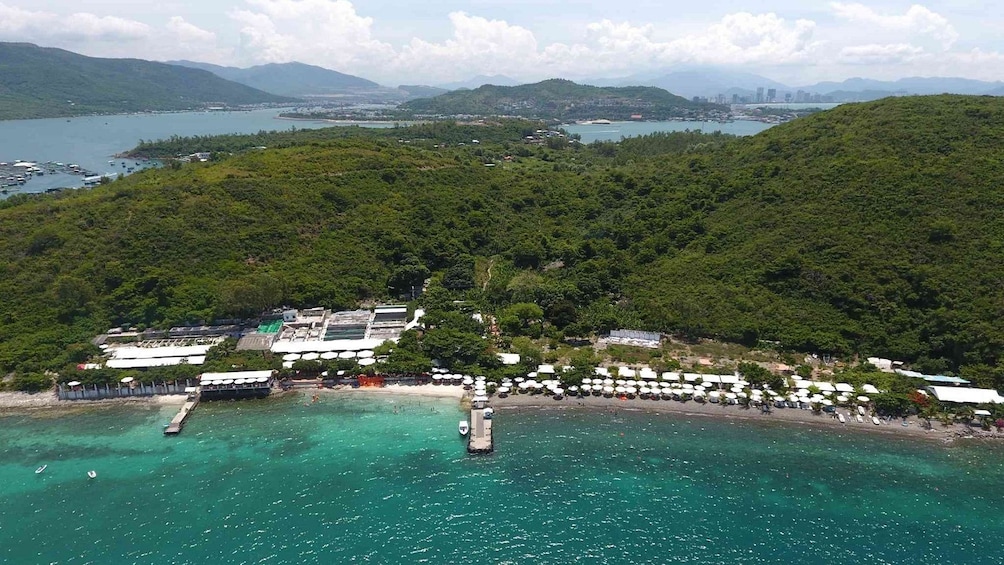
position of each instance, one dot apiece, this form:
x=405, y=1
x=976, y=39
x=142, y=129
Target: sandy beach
x=435, y=391
x=915, y=427
x=16, y=402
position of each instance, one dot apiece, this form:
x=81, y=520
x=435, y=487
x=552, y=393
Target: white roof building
x=206, y=377
x=959, y=395
x=509, y=358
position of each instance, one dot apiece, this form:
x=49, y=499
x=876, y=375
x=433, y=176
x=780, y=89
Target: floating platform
x=479, y=440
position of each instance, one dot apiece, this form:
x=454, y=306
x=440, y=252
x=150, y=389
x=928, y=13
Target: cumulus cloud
x=917, y=20
x=187, y=32
x=495, y=46
x=327, y=32
x=39, y=26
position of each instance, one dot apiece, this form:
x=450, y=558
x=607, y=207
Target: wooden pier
x=174, y=428
x=480, y=439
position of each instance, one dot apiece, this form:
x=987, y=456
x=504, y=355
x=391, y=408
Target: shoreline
x=790, y=417
x=19, y=403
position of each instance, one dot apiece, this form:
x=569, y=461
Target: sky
x=796, y=42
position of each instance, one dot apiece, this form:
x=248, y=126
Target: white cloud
x=187, y=32
x=873, y=54
x=917, y=20
x=326, y=32
x=482, y=46
x=28, y=25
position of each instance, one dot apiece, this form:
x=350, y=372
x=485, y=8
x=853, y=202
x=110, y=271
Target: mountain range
x=288, y=79
x=38, y=82
x=711, y=81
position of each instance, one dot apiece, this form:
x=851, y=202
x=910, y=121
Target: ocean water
x=383, y=479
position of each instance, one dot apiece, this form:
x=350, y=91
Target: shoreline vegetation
x=19, y=403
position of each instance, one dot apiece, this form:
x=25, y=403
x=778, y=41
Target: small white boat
x=875, y=420
x=841, y=418
x=40, y=469
x=464, y=427
x=861, y=410
x=91, y=474
x=860, y=419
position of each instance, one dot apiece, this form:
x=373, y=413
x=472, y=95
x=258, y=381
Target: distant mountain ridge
x=39, y=82
x=480, y=80
x=711, y=81
x=287, y=79
x=561, y=100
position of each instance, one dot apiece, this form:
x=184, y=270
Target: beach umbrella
x=630, y=390
x=347, y=355
x=327, y=355
x=827, y=402
x=73, y=383
x=364, y=354
x=287, y=364
x=587, y=381
x=312, y=356
x=842, y=398
x=863, y=399
x=291, y=357
x=619, y=389
x=519, y=379
x=366, y=362
x=620, y=382
x=127, y=380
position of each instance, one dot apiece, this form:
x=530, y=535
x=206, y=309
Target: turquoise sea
x=384, y=479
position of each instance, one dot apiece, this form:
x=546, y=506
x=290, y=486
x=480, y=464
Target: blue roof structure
x=933, y=378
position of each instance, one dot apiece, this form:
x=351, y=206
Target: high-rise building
x=771, y=95
x=759, y=94
x=735, y=98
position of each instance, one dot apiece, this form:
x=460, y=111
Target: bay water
x=367, y=477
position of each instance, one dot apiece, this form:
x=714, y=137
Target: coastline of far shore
x=13, y=403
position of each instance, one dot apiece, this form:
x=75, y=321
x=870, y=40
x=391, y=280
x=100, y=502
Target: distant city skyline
x=440, y=41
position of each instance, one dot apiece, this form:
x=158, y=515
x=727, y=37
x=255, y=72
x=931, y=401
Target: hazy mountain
x=480, y=80
x=288, y=79
x=909, y=85
x=45, y=82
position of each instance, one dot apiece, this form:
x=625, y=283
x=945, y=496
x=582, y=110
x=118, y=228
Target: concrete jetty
x=174, y=428
x=480, y=439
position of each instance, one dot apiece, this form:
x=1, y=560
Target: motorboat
x=464, y=427
x=860, y=419
x=875, y=420
x=861, y=410
x=91, y=474
x=841, y=418
x=40, y=469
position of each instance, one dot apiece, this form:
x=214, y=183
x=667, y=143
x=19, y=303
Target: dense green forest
x=39, y=82
x=558, y=99
x=872, y=228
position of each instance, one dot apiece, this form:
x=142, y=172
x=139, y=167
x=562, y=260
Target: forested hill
x=288, y=79
x=561, y=100
x=39, y=82
x=875, y=228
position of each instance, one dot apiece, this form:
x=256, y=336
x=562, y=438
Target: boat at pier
x=40, y=469
x=464, y=427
